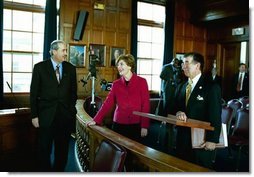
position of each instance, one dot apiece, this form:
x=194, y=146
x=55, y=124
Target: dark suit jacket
x=170, y=79
x=47, y=96
x=245, y=88
x=204, y=104
x=217, y=79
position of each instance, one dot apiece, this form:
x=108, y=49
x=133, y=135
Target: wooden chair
x=110, y=157
x=240, y=134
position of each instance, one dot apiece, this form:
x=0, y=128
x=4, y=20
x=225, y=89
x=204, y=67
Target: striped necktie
x=239, y=84
x=57, y=73
x=188, y=91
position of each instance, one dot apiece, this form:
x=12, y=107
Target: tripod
x=92, y=108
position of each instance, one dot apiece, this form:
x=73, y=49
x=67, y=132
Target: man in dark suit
x=170, y=77
x=214, y=77
x=241, y=82
x=201, y=100
x=53, y=95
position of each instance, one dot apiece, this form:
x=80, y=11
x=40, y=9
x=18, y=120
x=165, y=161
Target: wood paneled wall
x=206, y=38
x=109, y=27
x=187, y=36
x=112, y=27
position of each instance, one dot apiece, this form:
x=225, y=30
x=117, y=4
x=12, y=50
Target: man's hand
x=144, y=132
x=209, y=146
x=35, y=122
x=181, y=116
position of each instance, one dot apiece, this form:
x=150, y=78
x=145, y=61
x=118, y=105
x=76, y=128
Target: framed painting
x=100, y=52
x=115, y=52
x=77, y=54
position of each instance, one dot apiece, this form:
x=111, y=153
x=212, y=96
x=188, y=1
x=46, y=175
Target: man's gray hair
x=55, y=45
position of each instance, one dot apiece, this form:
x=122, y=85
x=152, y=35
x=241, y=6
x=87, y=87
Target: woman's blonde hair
x=128, y=59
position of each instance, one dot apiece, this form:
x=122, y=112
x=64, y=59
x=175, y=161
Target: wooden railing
x=142, y=157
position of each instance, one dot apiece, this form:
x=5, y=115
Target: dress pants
x=59, y=135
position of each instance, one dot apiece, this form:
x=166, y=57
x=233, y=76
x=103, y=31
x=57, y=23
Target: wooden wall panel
x=86, y=36
x=124, y=4
x=199, y=46
x=188, y=37
x=199, y=33
x=97, y=37
x=124, y=21
x=110, y=38
x=98, y=19
x=188, y=46
x=212, y=52
x=179, y=26
x=188, y=30
x=123, y=40
x=179, y=45
x=111, y=21
x=111, y=3
x=110, y=27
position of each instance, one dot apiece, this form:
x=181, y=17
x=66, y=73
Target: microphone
x=14, y=97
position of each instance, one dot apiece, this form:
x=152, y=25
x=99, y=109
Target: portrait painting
x=115, y=52
x=77, y=55
x=100, y=52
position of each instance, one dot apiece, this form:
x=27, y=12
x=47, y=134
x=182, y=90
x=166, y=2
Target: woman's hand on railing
x=91, y=122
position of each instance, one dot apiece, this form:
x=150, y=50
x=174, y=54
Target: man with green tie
x=201, y=100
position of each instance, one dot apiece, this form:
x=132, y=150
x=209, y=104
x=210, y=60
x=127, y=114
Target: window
x=244, y=57
x=22, y=42
x=150, y=48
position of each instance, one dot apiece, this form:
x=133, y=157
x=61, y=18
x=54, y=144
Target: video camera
x=105, y=85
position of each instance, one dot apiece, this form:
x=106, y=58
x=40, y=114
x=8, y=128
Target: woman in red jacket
x=129, y=93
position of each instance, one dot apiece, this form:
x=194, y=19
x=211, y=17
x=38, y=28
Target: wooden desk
x=16, y=132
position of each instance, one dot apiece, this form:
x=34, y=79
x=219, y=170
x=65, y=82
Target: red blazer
x=127, y=98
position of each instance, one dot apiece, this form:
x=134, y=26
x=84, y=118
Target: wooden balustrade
x=142, y=158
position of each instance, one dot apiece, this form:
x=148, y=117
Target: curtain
x=169, y=32
x=134, y=32
x=1, y=52
x=50, y=30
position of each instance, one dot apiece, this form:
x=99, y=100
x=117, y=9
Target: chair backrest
x=235, y=104
x=226, y=116
x=90, y=109
x=110, y=157
x=241, y=127
x=244, y=100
